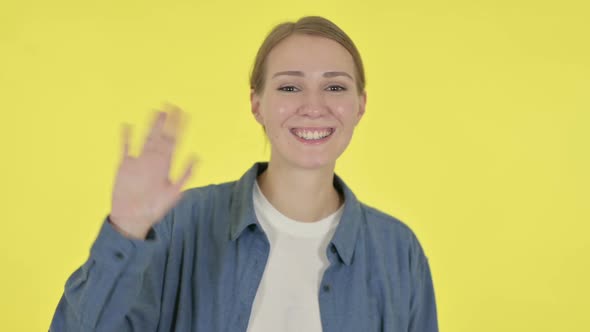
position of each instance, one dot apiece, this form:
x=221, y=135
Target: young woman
x=287, y=247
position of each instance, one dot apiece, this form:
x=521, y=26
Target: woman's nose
x=313, y=105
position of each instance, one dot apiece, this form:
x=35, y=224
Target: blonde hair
x=309, y=25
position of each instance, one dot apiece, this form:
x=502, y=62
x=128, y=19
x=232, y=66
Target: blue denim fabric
x=201, y=265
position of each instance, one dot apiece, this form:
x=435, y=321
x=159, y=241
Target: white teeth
x=312, y=135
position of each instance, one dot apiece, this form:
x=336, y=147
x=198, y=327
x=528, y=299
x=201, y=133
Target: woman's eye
x=288, y=88
x=336, y=88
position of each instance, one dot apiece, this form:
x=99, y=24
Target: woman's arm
x=423, y=313
x=119, y=287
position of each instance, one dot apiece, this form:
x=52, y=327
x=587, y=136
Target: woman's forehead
x=306, y=54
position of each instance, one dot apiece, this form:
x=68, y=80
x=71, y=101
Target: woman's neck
x=300, y=194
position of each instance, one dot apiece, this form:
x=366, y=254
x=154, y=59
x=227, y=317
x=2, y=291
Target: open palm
x=143, y=192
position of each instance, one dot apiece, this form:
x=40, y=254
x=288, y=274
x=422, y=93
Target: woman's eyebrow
x=337, y=73
x=289, y=73
x=301, y=74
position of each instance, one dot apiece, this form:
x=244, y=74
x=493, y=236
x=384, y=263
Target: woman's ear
x=362, y=106
x=255, y=106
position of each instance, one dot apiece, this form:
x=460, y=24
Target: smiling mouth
x=312, y=134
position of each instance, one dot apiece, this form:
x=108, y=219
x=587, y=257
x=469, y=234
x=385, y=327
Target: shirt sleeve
x=119, y=287
x=423, y=312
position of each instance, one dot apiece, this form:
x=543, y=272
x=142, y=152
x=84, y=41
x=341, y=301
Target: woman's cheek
x=283, y=110
x=342, y=111
x=279, y=107
x=347, y=110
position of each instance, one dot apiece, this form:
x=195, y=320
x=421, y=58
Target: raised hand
x=143, y=192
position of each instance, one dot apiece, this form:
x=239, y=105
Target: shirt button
x=333, y=249
x=119, y=255
x=326, y=288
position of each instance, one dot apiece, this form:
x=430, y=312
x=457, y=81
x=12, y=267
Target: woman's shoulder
x=204, y=194
x=391, y=236
x=388, y=226
x=199, y=203
x=378, y=218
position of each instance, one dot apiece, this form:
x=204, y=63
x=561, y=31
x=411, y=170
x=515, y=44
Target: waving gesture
x=143, y=192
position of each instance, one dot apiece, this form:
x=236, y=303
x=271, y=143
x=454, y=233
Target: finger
x=164, y=135
x=153, y=140
x=158, y=121
x=126, y=137
x=172, y=128
x=187, y=173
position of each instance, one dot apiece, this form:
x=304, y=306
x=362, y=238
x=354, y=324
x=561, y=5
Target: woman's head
x=309, y=25
x=308, y=92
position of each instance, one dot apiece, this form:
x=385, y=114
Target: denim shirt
x=200, y=266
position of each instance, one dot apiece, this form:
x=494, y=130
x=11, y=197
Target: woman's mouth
x=312, y=135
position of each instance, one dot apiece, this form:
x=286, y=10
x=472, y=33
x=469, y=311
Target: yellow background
x=476, y=135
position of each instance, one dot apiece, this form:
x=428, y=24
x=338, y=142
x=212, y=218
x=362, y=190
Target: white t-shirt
x=287, y=298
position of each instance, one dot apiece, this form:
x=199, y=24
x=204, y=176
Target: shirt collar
x=243, y=215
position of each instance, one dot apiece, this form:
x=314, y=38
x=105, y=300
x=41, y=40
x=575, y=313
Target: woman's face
x=309, y=104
